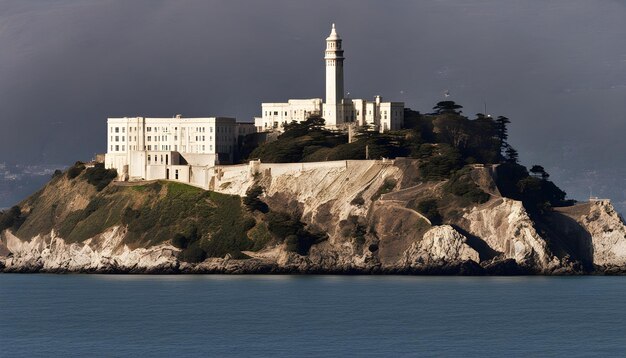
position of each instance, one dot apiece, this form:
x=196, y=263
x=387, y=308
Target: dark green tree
x=447, y=107
x=512, y=156
x=502, y=132
x=539, y=171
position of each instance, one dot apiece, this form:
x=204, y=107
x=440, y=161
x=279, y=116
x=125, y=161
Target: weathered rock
x=608, y=234
x=498, y=237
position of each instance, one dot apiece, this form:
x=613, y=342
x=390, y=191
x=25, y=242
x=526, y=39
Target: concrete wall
x=195, y=159
x=137, y=166
x=199, y=176
x=179, y=173
x=154, y=172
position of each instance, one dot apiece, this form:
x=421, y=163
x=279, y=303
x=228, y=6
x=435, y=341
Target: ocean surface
x=305, y=316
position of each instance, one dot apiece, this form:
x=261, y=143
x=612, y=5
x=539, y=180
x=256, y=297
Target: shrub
x=75, y=170
x=358, y=200
x=441, y=165
x=183, y=241
x=11, y=219
x=461, y=184
x=429, y=209
x=100, y=177
x=193, y=254
x=292, y=231
x=252, y=201
x=387, y=186
x=282, y=224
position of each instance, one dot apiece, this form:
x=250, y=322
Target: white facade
x=143, y=148
x=275, y=115
x=338, y=110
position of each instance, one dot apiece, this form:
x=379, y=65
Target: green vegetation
x=358, y=200
x=388, y=185
x=537, y=193
x=201, y=223
x=352, y=228
x=198, y=220
x=309, y=141
x=100, y=177
x=75, y=170
x=293, y=232
x=11, y=219
x=252, y=201
x=444, y=142
x=462, y=185
x=430, y=209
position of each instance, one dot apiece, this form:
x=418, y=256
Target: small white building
x=141, y=148
x=338, y=110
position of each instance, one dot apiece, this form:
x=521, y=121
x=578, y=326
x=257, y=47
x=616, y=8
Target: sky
x=556, y=68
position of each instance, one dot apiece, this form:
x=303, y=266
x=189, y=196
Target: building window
x=148, y=129
x=117, y=138
x=149, y=138
x=148, y=158
x=123, y=148
x=117, y=148
x=123, y=130
x=117, y=130
x=176, y=174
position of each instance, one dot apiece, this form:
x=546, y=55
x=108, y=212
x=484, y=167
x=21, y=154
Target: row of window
x=228, y=129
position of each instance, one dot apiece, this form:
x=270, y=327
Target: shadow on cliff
x=566, y=238
x=485, y=252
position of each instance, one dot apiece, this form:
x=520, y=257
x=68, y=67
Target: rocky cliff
x=356, y=217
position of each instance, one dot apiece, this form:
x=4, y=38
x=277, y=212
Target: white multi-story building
x=168, y=148
x=338, y=110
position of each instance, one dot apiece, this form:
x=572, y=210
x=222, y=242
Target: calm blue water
x=100, y=315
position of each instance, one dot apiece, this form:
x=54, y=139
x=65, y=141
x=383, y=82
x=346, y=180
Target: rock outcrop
x=367, y=210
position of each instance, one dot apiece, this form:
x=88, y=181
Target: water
x=164, y=316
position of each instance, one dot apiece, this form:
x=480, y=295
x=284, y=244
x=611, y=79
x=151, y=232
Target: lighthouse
x=333, y=56
x=338, y=111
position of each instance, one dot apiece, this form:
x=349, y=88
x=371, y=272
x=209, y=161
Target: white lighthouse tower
x=337, y=110
x=333, y=108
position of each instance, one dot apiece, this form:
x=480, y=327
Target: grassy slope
x=154, y=213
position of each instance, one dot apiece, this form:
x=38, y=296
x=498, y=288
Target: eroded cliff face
x=102, y=253
x=367, y=209
x=608, y=233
